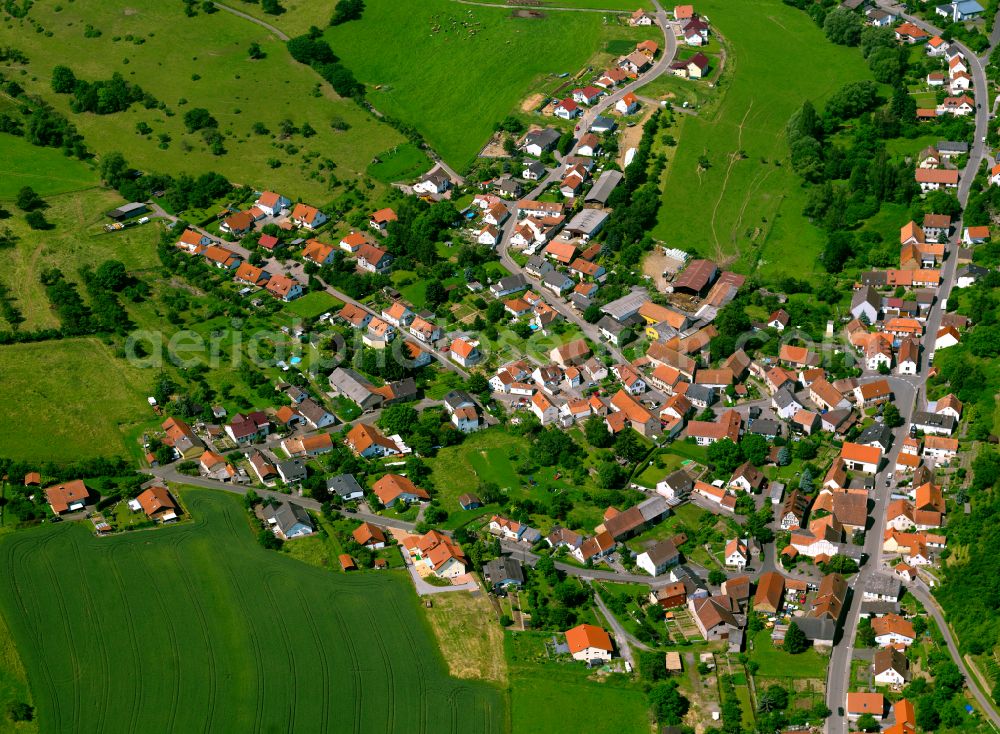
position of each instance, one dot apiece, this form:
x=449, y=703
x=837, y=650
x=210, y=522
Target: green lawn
x=404, y=162
x=46, y=170
x=69, y=399
x=556, y=697
x=620, y=5
x=312, y=305
x=776, y=663
x=197, y=628
x=454, y=71
x=777, y=58
x=199, y=62
x=76, y=239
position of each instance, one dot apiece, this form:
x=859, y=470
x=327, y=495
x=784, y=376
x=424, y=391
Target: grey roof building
x=504, y=571
x=288, y=520
x=602, y=188
x=345, y=486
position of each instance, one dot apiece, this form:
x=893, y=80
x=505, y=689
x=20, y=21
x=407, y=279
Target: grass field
x=622, y=5
x=46, y=170
x=776, y=663
x=298, y=15
x=198, y=62
x=441, y=73
x=312, y=305
x=198, y=628
x=404, y=162
x=76, y=239
x=67, y=400
x=557, y=697
x=777, y=58
x=469, y=636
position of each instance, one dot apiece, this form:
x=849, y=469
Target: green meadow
x=69, y=399
x=197, y=628
x=748, y=204
x=77, y=238
x=198, y=62
x=453, y=71
x=46, y=170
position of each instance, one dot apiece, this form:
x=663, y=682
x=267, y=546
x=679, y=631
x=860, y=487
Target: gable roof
x=585, y=636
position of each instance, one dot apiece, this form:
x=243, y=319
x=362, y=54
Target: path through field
x=196, y=628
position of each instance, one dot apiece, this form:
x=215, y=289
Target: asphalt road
x=561, y=306
x=908, y=391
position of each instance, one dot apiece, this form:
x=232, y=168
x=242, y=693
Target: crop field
x=77, y=238
x=619, y=5
x=69, y=399
x=454, y=71
x=197, y=628
x=198, y=62
x=46, y=170
x=777, y=58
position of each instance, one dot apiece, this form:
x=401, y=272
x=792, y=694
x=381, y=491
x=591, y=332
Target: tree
x=891, y=416
x=716, y=577
x=271, y=7
x=435, y=294
x=784, y=456
x=401, y=419
x=724, y=455
x=754, y=449
x=610, y=475
x=28, y=199
x=806, y=481
x=773, y=698
x=63, y=80
x=479, y=385
x=111, y=275
x=866, y=635
x=843, y=27
x=198, y=118
x=596, y=432
x=628, y=446
x=795, y=640
x=20, y=711
x=347, y=10
x=37, y=220
x=669, y=706
x=867, y=722
x=255, y=51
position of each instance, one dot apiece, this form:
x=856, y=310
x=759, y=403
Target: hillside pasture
x=198, y=62
x=69, y=399
x=197, y=628
x=46, y=170
x=748, y=202
x=77, y=238
x=453, y=71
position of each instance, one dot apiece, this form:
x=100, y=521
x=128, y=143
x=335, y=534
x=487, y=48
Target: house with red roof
x=307, y=216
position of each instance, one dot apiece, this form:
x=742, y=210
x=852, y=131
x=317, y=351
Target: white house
x=737, y=553
x=567, y=109
x=659, y=558
x=588, y=643
x=271, y=203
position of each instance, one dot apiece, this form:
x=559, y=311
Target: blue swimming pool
x=295, y=360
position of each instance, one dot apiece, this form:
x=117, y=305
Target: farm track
x=104, y=707
x=136, y=662
x=252, y=635
x=345, y=633
x=213, y=668
x=293, y=676
x=19, y=596
x=67, y=631
x=733, y=158
x=168, y=622
x=320, y=649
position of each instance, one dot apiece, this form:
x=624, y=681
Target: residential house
x=380, y=220
x=890, y=667
x=283, y=287
x=71, y=496
x=307, y=216
x=369, y=442
x=660, y=557
x=393, y=488
x=288, y=520
x=589, y=644
x=369, y=536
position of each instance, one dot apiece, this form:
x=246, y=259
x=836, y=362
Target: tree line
x=102, y=97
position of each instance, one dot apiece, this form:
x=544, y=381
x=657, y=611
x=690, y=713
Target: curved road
x=280, y=35
x=838, y=674
x=662, y=65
